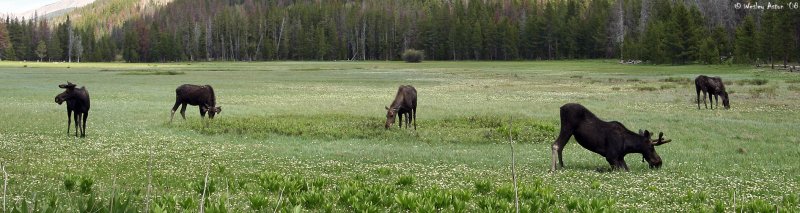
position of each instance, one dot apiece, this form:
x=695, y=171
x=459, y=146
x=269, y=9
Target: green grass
x=151, y=72
x=310, y=136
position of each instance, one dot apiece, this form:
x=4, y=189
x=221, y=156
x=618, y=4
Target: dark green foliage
x=746, y=46
x=202, y=187
x=69, y=183
x=86, y=185
x=383, y=171
x=483, y=186
x=413, y=56
x=258, y=202
x=405, y=181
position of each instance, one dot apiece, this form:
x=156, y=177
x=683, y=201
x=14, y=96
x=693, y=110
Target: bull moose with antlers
x=195, y=95
x=609, y=139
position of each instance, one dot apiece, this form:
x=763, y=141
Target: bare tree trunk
x=278, y=42
x=644, y=15
x=261, y=33
x=71, y=36
x=364, y=41
x=209, y=41
x=354, y=44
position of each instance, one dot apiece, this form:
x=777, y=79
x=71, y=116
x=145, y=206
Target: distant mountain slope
x=103, y=15
x=59, y=6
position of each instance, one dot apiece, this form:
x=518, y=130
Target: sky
x=19, y=6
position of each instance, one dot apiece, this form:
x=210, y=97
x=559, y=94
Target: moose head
x=60, y=98
x=391, y=113
x=725, y=101
x=214, y=111
x=648, y=150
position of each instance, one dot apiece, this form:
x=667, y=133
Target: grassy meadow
x=309, y=136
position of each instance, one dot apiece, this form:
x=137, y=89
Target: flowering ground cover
x=309, y=136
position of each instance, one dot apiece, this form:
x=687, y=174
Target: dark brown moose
x=609, y=139
x=78, y=102
x=195, y=95
x=714, y=87
x=405, y=103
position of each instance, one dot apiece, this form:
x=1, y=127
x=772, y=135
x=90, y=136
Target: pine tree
x=708, y=52
x=5, y=42
x=745, y=46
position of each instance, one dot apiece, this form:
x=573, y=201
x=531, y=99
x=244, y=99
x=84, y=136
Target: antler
x=660, y=140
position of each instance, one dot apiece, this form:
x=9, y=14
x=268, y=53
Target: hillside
x=106, y=14
x=55, y=8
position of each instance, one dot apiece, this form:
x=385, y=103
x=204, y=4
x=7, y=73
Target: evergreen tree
x=54, y=51
x=745, y=46
x=708, y=51
x=6, y=50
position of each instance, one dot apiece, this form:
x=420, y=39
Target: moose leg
x=202, y=112
x=77, y=122
x=716, y=99
x=174, y=108
x=704, y=100
x=558, y=147
x=83, y=129
x=613, y=161
x=69, y=120
x=183, y=111
x=621, y=163
x=414, y=115
x=408, y=120
x=400, y=123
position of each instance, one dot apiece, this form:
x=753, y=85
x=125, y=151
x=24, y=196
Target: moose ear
x=387, y=108
x=640, y=132
x=218, y=109
x=646, y=134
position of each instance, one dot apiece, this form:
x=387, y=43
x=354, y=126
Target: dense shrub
x=413, y=56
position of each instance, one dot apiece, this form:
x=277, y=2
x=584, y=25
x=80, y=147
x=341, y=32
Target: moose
x=713, y=87
x=405, y=103
x=78, y=102
x=195, y=95
x=609, y=139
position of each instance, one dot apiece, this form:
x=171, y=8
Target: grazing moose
x=195, y=95
x=609, y=139
x=714, y=87
x=78, y=102
x=405, y=103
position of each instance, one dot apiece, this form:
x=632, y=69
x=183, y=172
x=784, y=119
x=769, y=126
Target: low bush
x=678, y=80
x=413, y=56
x=752, y=81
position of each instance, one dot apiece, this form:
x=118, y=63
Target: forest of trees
x=659, y=32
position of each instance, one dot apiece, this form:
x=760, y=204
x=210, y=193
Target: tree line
x=660, y=32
